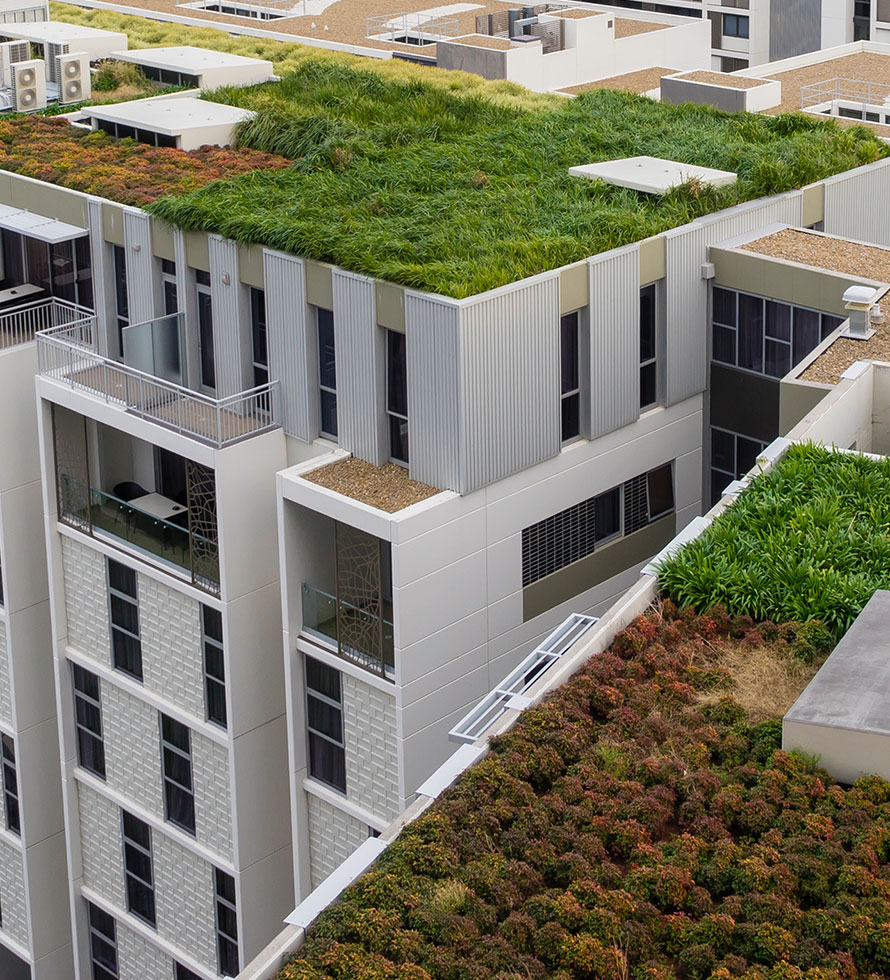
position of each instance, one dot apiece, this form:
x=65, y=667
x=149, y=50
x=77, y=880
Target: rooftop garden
x=456, y=185
x=641, y=824
x=808, y=539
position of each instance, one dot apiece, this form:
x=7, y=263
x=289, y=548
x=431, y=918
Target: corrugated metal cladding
x=185, y=296
x=686, y=293
x=102, y=273
x=359, y=368
x=432, y=339
x=857, y=204
x=795, y=27
x=614, y=340
x=287, y=317
x=227, y=350
x=510, y=411
x=140, y=266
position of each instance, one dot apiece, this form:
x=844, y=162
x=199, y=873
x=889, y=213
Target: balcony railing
x=68, y=354
x=20, y=324
x=322, y=614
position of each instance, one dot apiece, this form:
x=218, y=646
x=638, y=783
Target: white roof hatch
x=652, y=175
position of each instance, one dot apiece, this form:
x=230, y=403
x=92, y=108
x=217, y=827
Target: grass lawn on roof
x=448, y=183
x=810, y=538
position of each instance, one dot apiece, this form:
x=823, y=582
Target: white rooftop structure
x=38, y=226
x=201, y=67
x=186, y=123
x=651, y=175
x=98, y=44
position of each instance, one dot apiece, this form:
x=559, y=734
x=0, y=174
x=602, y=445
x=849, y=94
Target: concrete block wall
x=86, y=600
x=138, y=959
x=5, y=691
x=132, y=748
x=12, y=892
x=100, y=842
x=213, y=810
x=333, y=836
x=372, y=774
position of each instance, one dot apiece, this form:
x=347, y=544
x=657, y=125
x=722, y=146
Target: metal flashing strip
x=511, y=689
x=451, y=768
x=339, y=879
x=689, y=533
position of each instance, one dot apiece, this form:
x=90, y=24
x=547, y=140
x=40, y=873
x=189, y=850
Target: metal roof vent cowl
x=860, y=301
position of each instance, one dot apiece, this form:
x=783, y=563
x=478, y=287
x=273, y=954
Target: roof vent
x=860, y=301
x=652, y=175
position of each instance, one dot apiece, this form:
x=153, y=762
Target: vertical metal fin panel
x=686, y=293
x=614, y=340
x=359, y=368
x=432, y=339
x=187, y=302
x=795, y=27
x=509, y=381
x=140, y=265
x=287, y=319
x=103, y=278
x=227, y=340
x=857, y=204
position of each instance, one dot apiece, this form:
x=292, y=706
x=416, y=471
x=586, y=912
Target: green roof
x=455, y=185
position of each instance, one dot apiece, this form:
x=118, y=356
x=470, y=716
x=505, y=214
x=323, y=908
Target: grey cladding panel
x=857, y=204
x=226, y=321
x=140, y=266
x=686, y=293
x=287, y=318
x=614, y=340
x=359, y=368
x=103, y=280
x=510, y=410
x=432, y=329
x=795, y=27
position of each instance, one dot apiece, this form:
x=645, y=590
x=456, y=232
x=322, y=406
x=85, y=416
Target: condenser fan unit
x=26, y=77
x=72, y=69
x=72, y=91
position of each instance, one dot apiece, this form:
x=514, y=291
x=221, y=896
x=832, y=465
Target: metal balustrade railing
x=20, y=324
x=849, y=89
x=67, y=354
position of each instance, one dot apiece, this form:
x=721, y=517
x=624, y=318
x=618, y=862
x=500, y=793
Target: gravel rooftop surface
x=484, y=41
x=720, y=78
x=844, y=352
x=825, y=252
x=632, y=81
x=624, y=27
x=386, y=487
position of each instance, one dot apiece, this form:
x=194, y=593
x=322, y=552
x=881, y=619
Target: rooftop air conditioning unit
x=53, y=51
x=10, y=53
x=73, y=72
x=28, y=86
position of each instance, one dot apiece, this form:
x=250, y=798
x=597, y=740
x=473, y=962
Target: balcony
x=68, y=354
x=362, y=635
x=20, y=324
x=128, y=492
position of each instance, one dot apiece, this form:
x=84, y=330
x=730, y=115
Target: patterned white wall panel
x=333, y=836
x=372, y=764
x=138, y=959
x=100, y=842
x=86, y=601
x=132, y=748
x=213, y=810
x=12, y=893
x=5, y=689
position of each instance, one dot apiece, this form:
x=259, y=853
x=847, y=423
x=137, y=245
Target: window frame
x=169, y=285
x=325, y=390
x=134, y=883
x=570, y=396
x=83, y=733
x=211, y=680
x=649, y=293
x=131, y=666
x=11, y=800
x=397, y=420
x=206, y=339
x=121, y=293
x=736, y=21
x=726, y=476
x=311, y=732
x=224, y=940
x=99, y=970
x=170, y=783
x=259, y=337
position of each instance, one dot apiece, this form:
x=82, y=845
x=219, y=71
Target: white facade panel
x=213, y=798
x=5, y=691
x=100, y=845
x=103, y=280
x=509, y=378
x=845, y=212
x=138, y=959
x=369, y=721
x=12, y=889
x=140, y=266
x=224, y=290
x=359, y=345
x=614, y=340
x=432, y=329
x=132, y=748
x=86, y=600
x=288, y=332
x=333, y=836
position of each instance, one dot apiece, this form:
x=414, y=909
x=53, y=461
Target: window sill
x=341, y=802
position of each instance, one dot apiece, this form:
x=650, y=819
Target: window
x=735, y=25
x=1, y=585
x=226, y=924
x=122, y=131
x=205, y=329
x=577, y=531
x=10, y=784
x=103, y=943
x=733, y=64
x=764, y=335
x=648, y=351
x=570, y=376
x=138, y=872
x=397, y=396
x=121, y=299
x=214, y=666
x=176, y=763
x=324, y=722
x=327, y=372
x=126, y=647
x=732, y=455
x=168, y=283
x=258, y=342
x=88, y=721
x=184, y=973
